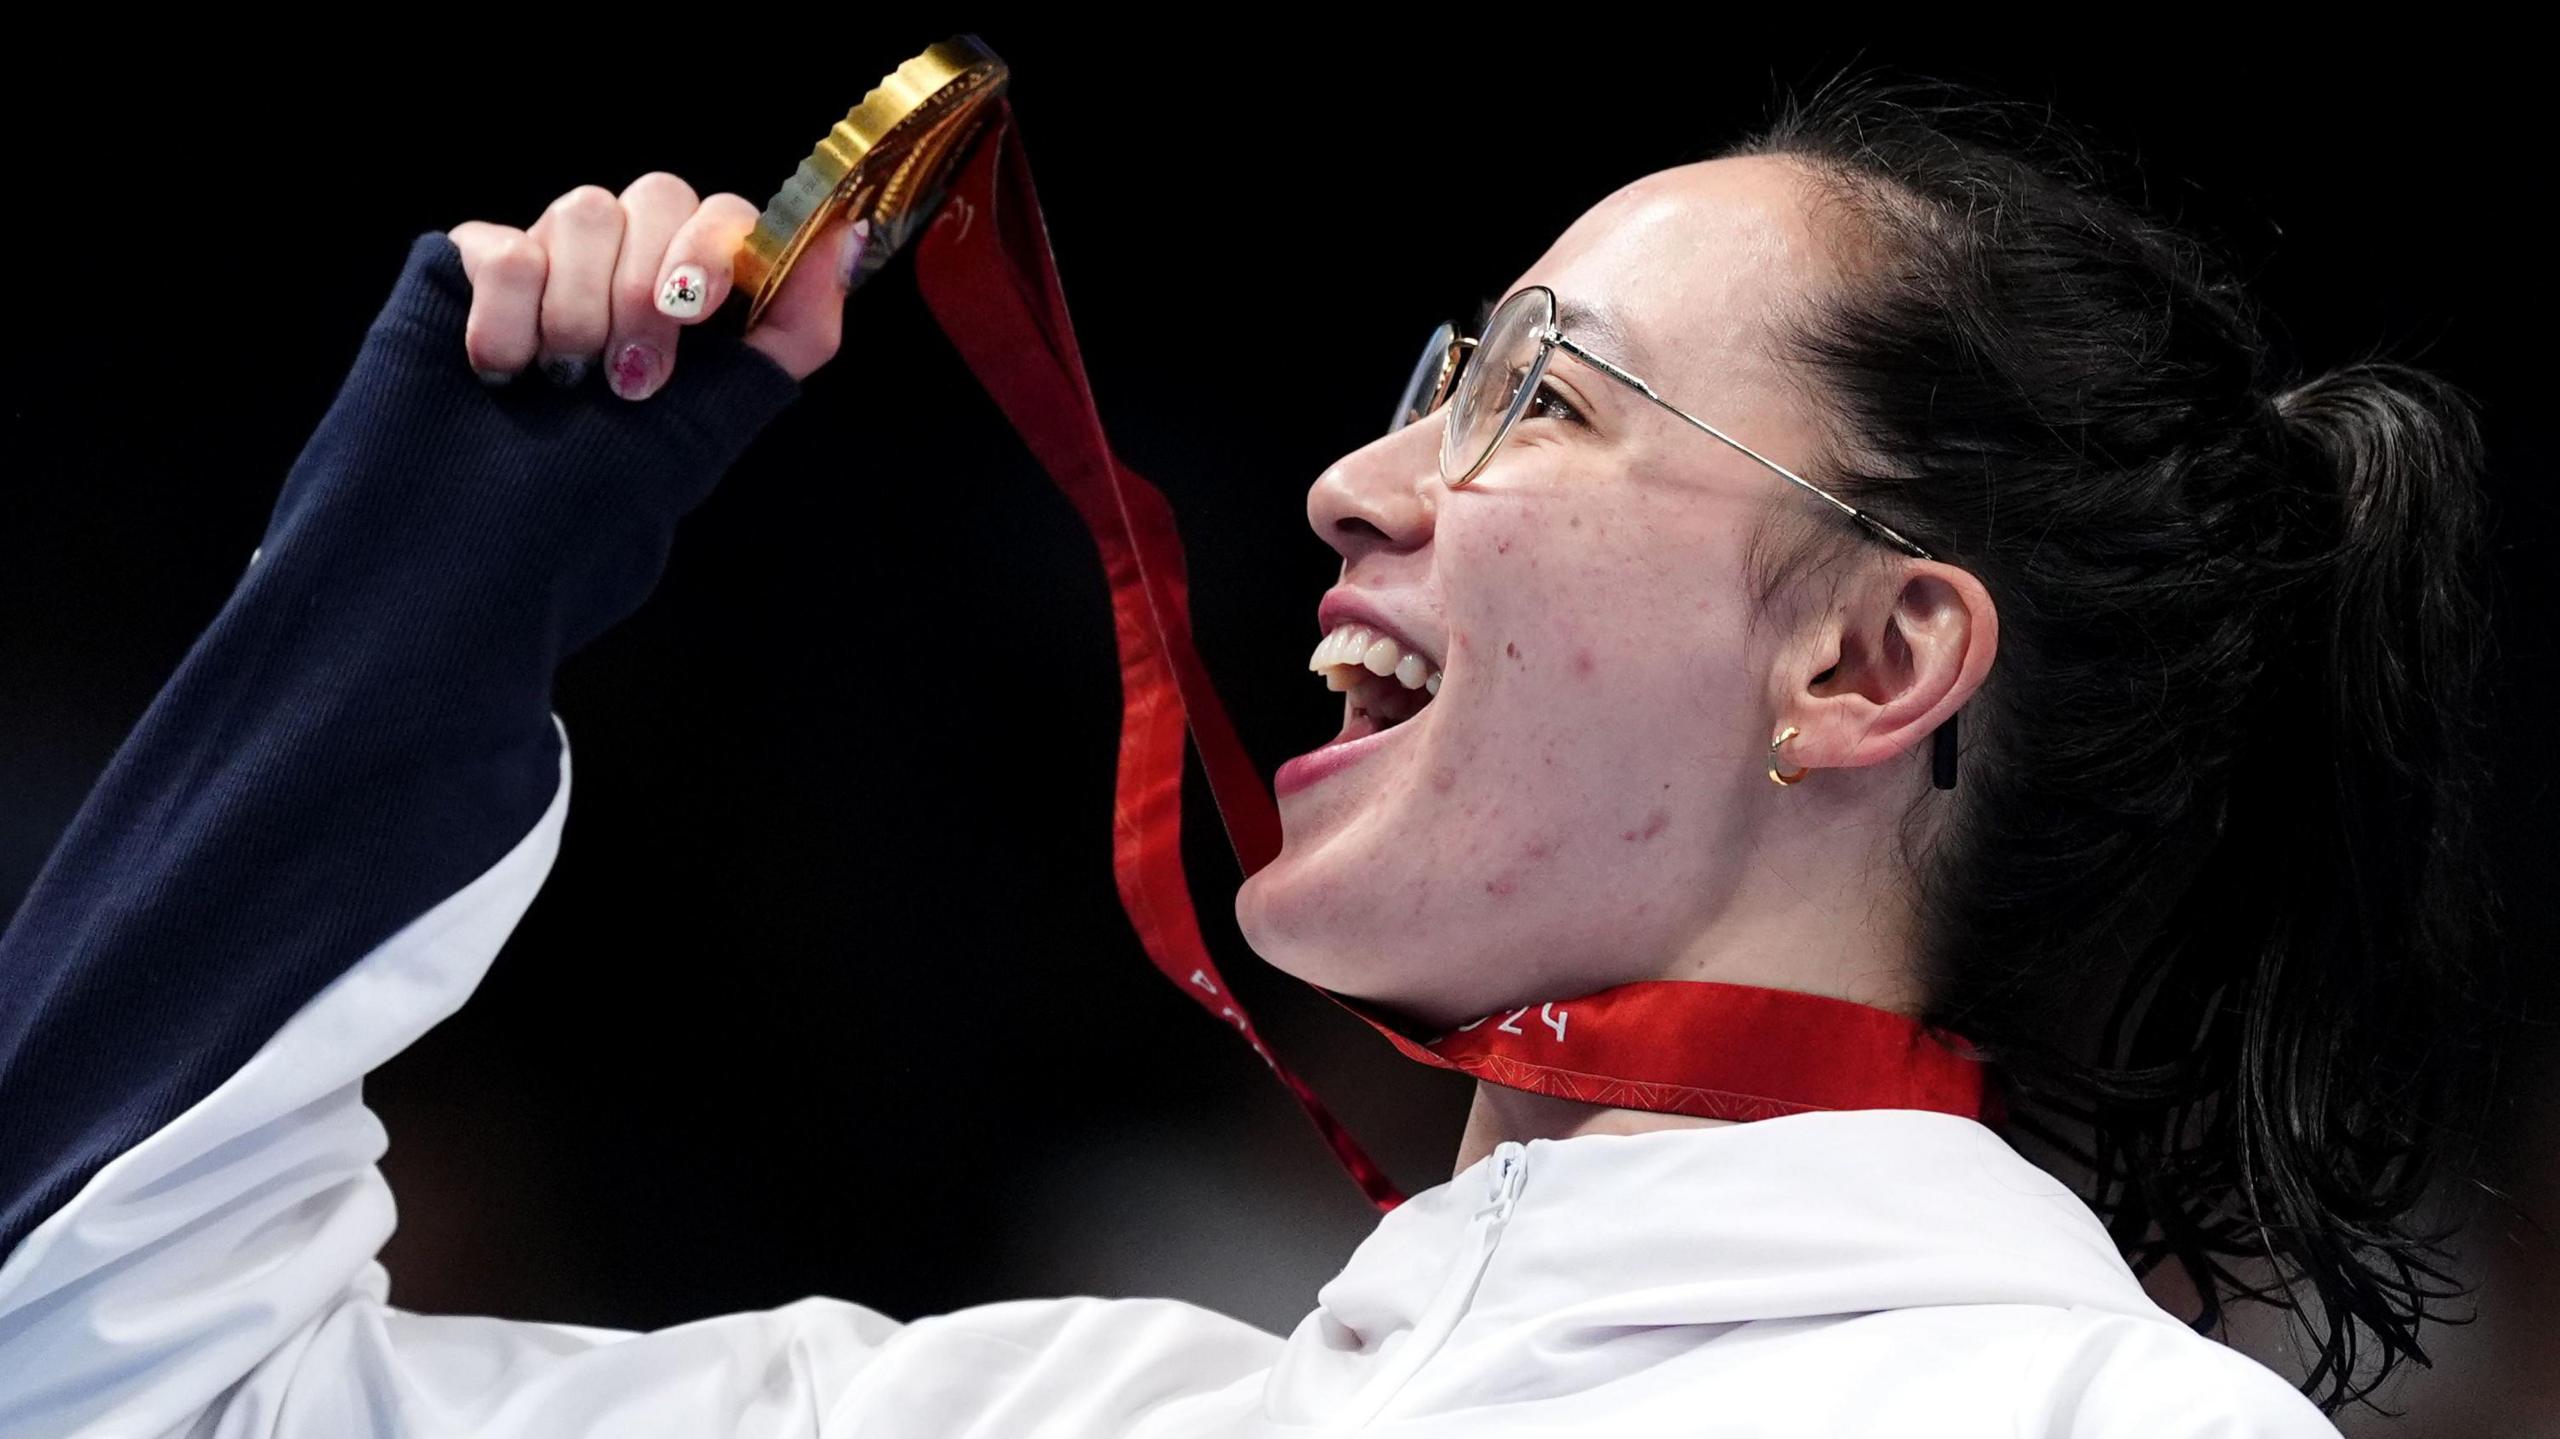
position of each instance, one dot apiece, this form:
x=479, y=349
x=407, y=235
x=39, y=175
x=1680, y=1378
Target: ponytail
x=2361, y=1008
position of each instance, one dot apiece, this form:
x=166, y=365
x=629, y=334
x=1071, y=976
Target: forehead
x=1688, y=261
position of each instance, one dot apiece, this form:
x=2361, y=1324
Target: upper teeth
x=1359, y=645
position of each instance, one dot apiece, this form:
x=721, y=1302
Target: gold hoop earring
x=1773, y=759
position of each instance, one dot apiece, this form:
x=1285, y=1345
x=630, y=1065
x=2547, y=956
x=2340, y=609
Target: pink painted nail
x=635, y=371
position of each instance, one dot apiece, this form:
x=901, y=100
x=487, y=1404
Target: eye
x=1550, y=403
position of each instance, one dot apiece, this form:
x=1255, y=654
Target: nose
x=1383, y=495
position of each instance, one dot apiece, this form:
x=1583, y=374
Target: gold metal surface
x=1773, y=759
x=887, y=161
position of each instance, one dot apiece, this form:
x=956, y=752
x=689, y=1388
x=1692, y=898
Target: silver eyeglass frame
x=1452, y=348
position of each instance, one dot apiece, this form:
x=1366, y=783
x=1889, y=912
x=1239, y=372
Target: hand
x=601, y=279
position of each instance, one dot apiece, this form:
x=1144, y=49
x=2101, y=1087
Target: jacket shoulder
x=2118, y=1376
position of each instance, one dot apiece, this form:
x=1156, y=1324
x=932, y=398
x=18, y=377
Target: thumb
x=804, y=326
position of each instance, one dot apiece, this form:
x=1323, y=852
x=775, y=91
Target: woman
x=2210, y=626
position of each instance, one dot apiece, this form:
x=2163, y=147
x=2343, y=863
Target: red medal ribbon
x=1712, y=1050
x=1724, y=1051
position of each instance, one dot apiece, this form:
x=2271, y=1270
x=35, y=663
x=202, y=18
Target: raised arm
x=307, y=854
x=357, y=759
x=361, y=730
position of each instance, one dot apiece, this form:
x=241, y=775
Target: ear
x=1900, y=654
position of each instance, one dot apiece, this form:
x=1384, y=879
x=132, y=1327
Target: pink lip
x=1314, y=765
x=1341, y=607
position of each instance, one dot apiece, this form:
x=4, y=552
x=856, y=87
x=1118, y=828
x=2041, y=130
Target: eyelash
x=1549, y=394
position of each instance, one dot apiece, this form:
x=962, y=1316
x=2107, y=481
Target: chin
x=1288, y=924
x=1264, y=923
x=1294, y=932
x=1316, y=910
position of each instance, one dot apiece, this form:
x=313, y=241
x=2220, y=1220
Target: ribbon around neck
x=1711, y=1050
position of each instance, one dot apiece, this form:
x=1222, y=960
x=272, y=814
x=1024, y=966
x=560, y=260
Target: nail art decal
x=682, y=295
x=564, y=370
x=849, y=254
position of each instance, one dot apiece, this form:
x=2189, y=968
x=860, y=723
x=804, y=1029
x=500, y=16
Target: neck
x=1500, y=1114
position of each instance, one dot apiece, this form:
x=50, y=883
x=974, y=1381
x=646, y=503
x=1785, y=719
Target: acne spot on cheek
x=1653, y=825
x=1502, y=546
x=1577, y=522
x=1512, y=651
x=1582, y=663
x=1443, y=777
x=1500, y=887
x=1539, y=849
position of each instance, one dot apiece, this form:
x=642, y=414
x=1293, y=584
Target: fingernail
x=856, y=240
x=495, y=377
x=635, y=371
x=681, y=296
x=565, y=370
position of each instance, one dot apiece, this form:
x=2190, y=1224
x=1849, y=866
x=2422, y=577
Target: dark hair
x=2225, y=768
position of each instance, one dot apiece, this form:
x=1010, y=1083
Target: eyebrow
x=1595, y=322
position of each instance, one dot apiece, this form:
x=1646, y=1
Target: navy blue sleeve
x=363, y=727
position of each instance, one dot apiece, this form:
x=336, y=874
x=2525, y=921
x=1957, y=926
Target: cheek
x=1586, y=738
x=1556, y=812
x=1585, y=662
x=1571, y=614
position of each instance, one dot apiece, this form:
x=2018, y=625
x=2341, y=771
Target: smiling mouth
x=1372, y=705
x=1384, y=684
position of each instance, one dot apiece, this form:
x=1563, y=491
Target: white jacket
x=1884, y=1272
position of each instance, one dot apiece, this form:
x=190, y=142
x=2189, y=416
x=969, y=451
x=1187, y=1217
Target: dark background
x=829, y=992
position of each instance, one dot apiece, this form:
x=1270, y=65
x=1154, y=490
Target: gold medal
x=887, y=161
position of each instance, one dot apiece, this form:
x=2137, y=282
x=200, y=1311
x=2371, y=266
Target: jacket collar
x=1823, y=1213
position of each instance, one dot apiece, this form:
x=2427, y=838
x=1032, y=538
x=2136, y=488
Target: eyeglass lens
x=1492, y=381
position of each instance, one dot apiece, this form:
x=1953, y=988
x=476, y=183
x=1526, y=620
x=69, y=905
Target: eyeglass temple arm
x=1879, y=527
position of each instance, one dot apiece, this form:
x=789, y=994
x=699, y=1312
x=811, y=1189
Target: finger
x=640, y=348
x=702, y=258
x=804, y=325
x=506, y=269
x=582, y=233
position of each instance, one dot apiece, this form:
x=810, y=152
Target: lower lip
x=1307, y=768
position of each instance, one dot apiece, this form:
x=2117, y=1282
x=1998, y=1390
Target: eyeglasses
x=1496, y=377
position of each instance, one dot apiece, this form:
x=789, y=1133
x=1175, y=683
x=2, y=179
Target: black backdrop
x=829, y=992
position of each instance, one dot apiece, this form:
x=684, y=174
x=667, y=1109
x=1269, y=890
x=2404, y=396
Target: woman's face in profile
x=1575, y=806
